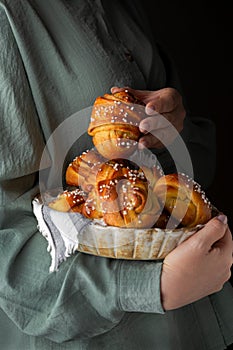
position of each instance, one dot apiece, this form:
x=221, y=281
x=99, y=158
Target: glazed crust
x=82, y=171
x=114, y=124
x=69, y=201
x=184, y=199
x=126, y=196
x=92, y=208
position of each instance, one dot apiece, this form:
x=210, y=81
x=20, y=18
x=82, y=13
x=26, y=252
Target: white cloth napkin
x=60, y=229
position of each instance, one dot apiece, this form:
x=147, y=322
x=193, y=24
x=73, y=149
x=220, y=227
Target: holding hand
x=165, y=109
x=199, y=266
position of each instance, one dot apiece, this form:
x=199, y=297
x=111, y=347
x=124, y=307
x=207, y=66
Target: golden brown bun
x=114, y=124
x=83, y=169
x=113, y=169
x=92, y=207
x=69, y=201
x=189, y=205
x=126, y=196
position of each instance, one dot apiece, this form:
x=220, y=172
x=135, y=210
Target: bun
x=92, y=208
x=184, y=199
x=126, y=196
x=82, y=171
x=69, y=201
x=114, y=124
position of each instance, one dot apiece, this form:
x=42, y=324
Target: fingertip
x=114, y=89
x=216, y=221
x=222, y=218
x=216, y=226
x=144, y=127
x=150, y=109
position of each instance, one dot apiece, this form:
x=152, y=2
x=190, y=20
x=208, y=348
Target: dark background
x=198, y=35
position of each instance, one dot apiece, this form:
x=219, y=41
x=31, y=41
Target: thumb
x=152, y=108
x=213, y=231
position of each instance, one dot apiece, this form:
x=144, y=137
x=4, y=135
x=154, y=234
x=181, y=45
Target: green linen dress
x=56, y=57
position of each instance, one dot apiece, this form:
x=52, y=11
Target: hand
x=197, y=267
x=166, y=116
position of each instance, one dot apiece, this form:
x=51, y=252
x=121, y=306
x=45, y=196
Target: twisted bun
x=114, y=124
x=184, y=199
x=126, y=196
x=82, y=171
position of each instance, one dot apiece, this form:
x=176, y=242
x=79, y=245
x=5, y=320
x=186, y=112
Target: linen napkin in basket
x=54, y=226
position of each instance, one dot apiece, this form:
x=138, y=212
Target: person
x=56, y=57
